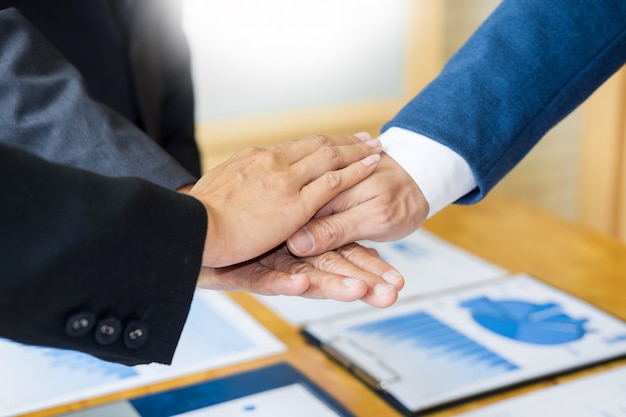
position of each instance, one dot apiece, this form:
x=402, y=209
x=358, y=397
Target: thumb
x=321, y=235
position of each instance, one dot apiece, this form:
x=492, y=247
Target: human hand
x=261, y=196
x=350, y=273
x=386, y=206
x=185, y=189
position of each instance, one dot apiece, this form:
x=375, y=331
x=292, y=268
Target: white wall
x=253, y=57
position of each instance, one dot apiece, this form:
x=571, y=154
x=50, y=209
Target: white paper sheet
x=601, y=395
x=428, y=263
x=217, y=333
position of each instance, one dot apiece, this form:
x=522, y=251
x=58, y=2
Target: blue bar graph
x=422, y=348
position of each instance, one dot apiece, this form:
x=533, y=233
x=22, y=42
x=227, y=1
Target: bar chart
x=441, y=358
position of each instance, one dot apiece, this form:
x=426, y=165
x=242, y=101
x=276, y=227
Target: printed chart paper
x=428, y=264
x=433, y=351
x=217, y=333
x=291, y=400
x=601, y=395
x=273, y=391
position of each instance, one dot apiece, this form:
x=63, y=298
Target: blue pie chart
x=541, y=324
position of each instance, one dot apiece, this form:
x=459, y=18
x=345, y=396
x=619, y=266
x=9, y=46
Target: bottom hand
x=350, y=273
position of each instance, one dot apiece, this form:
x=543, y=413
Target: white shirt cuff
x=442, y=174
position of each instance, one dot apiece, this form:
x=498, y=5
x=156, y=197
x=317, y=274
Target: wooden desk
x=517, y=237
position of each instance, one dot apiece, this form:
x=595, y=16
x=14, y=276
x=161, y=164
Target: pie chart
x=541, y=324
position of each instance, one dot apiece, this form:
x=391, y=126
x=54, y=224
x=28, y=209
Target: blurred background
x=270, y=70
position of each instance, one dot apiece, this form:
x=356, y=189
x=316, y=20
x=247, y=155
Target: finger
x=253, y=277
x=323, y=189
x=295, y=150
x=333, y=157
x=322, y=234
x=381, y=295
x=368, y=260
x=330, y=275
x=335, y=277
x=379, y=292
x=346, y=200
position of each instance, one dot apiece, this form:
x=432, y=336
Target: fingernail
x=302, y=241
x=382, y=289
x=364, y=136
x=392, y=277
x=374, y=143
x=351, y=282
x=370, y=160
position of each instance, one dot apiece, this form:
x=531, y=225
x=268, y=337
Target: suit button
x=80, y=324
x=108, y=330
x=135, y=335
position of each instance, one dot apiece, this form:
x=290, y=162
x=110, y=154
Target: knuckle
x=298, y=268
x=320, y=139
x=350, y=249
x=329, y=231
x=247, y=154
x=249, y=150
x=280, y=263
x=328, y=261
x=332, y=180
x=329, y=152
x=287, y=142
x=282, y=146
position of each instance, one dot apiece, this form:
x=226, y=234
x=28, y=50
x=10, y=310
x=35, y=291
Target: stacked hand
x=261, y=196
x=347, y=274
x=386, y=206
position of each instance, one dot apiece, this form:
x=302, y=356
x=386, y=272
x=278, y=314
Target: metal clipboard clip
x=364, y=363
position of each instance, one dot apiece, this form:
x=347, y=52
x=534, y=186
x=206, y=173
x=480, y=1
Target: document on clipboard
x=428, y=353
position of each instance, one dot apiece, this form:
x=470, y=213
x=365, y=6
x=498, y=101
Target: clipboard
x=425, y=354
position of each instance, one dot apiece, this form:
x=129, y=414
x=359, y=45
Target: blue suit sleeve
x=530, y=64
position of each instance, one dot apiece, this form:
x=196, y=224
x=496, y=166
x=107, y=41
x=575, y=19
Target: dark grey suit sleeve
x=82, y=251
x=47, y=111
x=160, y=59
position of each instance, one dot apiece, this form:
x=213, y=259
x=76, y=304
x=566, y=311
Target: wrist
x=185, y=189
